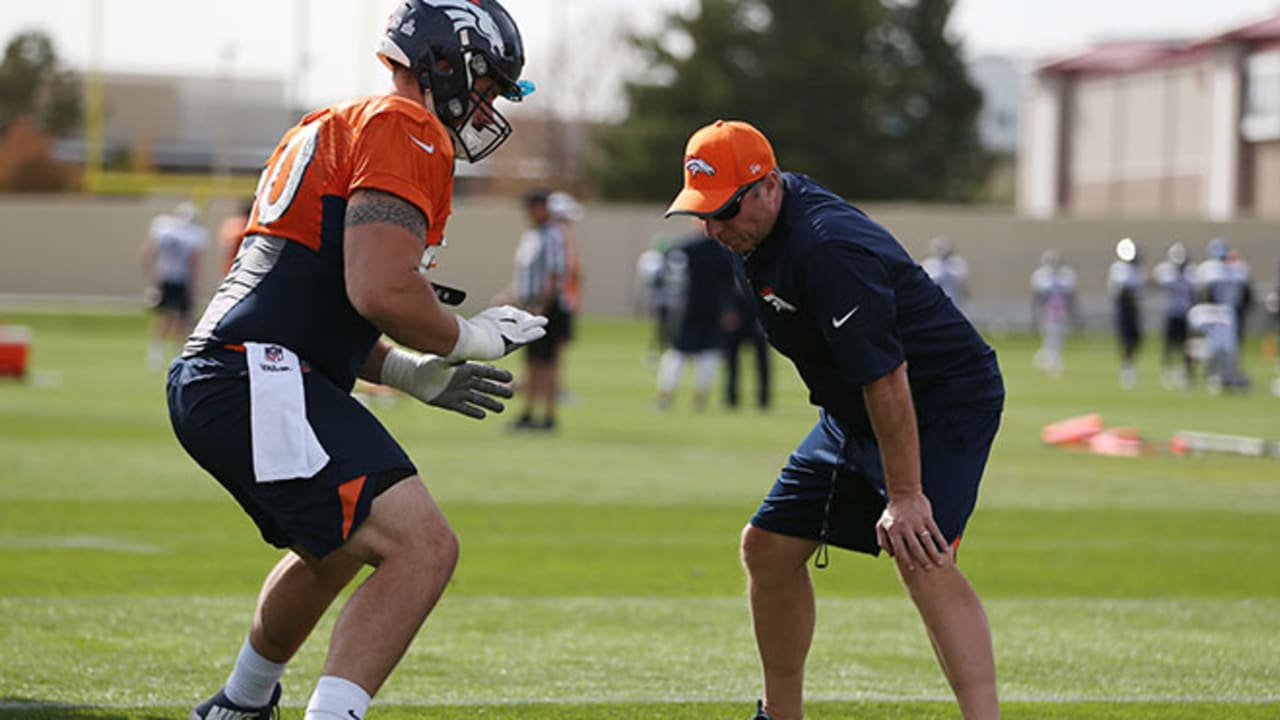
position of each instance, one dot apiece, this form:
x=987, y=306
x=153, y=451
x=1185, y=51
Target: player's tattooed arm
x=369, y=207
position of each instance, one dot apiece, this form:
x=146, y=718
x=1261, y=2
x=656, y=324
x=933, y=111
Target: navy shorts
x=209, y=410
x=174, y=296
x=546, y=349
x=845, y=471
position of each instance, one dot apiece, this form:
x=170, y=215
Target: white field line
x=1019, y=616
x=78, y=542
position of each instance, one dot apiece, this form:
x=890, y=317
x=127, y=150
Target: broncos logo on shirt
x=287, y=285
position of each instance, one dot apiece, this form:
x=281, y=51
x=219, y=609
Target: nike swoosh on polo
x=431, y=149
x=837, y=322
x=353, y=714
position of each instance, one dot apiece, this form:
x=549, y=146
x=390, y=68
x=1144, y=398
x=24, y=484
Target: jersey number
x=279, y=182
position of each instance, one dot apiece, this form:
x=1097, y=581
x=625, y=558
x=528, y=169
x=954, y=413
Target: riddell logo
x=778, y=303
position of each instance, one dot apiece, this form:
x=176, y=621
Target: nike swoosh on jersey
x=837, y=322
x=431, y=149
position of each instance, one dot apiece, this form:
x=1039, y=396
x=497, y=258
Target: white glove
x=494, y=332
x=467, y=388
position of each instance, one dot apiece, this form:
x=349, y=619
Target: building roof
x=1130, y=55
x=1261, y=31
x=1118, y=56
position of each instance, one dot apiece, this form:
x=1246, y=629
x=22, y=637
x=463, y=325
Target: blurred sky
x=263, y=38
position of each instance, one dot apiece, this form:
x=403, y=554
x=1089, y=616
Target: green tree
x=871, y=98
x=34, y=84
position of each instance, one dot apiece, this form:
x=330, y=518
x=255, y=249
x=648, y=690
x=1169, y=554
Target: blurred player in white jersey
x=1221, y=288
x=948, y=269
x=1176, y=277
x=171, y=258
x=1053, y=299
x=1124, y=284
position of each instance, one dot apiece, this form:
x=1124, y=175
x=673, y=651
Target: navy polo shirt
x=845, y=302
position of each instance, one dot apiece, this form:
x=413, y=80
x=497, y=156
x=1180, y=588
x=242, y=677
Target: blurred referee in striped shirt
x=539, y=276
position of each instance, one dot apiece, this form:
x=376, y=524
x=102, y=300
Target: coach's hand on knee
x=907, y=531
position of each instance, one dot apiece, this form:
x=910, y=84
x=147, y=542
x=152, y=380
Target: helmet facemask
x=476, y=126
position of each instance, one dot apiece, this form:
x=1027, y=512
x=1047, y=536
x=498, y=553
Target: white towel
x=284, y=445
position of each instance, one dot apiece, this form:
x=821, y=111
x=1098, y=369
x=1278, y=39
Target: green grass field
x=599, y=574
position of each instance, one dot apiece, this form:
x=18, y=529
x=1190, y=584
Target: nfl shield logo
x=273, y=353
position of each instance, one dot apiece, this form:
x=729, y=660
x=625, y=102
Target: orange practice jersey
x=287, y=285
x=385, y=142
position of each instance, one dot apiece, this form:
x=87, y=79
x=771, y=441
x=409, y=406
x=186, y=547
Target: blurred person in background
x=329, y=275
x=1053, y=306
x=653, y=297
x=895, y=459
x=1221, y=289
x=698, y=273
x=1215, y=323
x=1273, y=309
x=567, y=212
x=231, y=232
x=1125, y=279
x=171, y=257
x=948, y=269
x=541, y=265
x=1239, y=269
x=1223, y=279
x=742, y=325
x=1175, y=277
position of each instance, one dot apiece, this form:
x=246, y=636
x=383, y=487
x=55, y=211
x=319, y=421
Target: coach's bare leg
x=782, y=613
x=414, y=551
x=957, y=627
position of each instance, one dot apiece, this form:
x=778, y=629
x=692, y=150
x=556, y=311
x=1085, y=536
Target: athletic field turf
x=599, y=574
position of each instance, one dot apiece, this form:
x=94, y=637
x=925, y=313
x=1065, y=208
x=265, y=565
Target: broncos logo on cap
x=698, y=165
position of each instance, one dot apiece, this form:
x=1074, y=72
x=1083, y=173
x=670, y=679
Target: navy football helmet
x=450, y=45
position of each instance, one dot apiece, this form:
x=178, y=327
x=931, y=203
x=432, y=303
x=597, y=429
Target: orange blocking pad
x=1123, y=442
x=15, y=349
x=1072, y=431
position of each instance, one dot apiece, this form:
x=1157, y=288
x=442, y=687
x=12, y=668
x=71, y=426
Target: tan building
x=1168, y=129
x=187, y=124
x=196, y=125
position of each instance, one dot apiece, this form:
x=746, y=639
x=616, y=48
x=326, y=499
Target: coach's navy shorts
x=846, y=469
x=209, y=410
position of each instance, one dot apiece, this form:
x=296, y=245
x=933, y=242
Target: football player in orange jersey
x=261, y=396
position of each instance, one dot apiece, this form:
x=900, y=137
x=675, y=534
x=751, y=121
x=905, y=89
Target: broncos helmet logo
x=698, y=165
x=467, y=14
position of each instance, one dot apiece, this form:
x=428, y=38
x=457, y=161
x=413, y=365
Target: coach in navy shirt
x=909, y=399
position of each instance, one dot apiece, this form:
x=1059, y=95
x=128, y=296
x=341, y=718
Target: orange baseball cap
x=718, y=160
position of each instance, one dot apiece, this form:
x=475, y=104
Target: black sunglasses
x=734, y=206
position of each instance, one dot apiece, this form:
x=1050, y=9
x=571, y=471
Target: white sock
x=253, y=678
x=669, y=371
x=155, y=354
x=337, y=698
